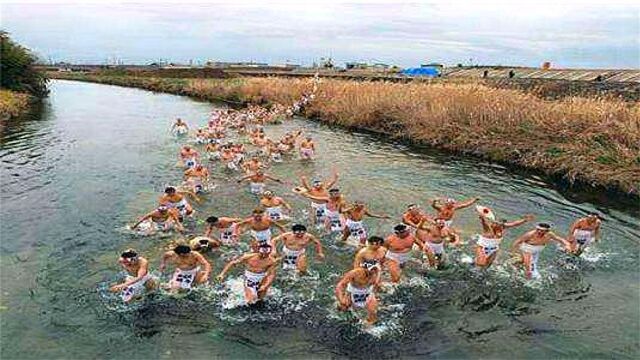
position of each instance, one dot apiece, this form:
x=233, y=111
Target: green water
x=97, y=156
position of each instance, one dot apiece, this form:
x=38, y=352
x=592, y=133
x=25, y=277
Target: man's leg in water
x=431, y=257
x=345, y=233
x=527, y=262
x=302, y=264
x=481, y=258
x=200, y=278
x=394, y=270
x=265, y=284
x=249, y=295
x=372, y=309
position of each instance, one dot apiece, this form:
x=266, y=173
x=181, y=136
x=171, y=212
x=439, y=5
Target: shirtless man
x=258, y=179
x=260, y=225
x=228, y=157
x=294, y=248
x=189, y=156
x=318, y=188
x=191, y=267
x=259, y=273
x=307, y=148
x=162, y=218
x=273, y=205
x=447, y=209
x=179, y=127
x=583, y=232
x=414, y=215
x=374, y=252
x=531, y=244
x=492, y=234
x=253, y=165
x=174, y=199
x=434, y=237
x=353, y=224
x=196, y=177
x=399, y=246
x=227, y=227
x=357, y=289
x=138, y=277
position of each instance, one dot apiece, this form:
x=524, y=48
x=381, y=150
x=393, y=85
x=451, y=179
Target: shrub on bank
x=17, y=68
x=12, y=104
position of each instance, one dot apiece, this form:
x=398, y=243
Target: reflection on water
x=98, y=157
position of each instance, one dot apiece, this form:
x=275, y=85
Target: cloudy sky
x=569, y=33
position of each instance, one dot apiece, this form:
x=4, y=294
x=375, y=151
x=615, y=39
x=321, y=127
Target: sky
x=568, y=33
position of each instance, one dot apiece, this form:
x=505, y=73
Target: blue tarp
x=423, y=71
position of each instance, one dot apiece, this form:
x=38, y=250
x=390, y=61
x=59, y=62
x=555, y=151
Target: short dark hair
x=169, y=190
x=182, y=249
x=212, y=220
x=375, y=240
x=298, y=227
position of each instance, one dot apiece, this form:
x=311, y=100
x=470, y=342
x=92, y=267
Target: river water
x=97, y=156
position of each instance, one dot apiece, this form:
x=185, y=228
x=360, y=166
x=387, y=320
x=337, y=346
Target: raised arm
x=314, y=197
x=379, y=216
x=518, y=222
x=334, y=179
x=273, y=178
x=466, y=204
x=305, y=182
x=435, y=203
x=244, y=178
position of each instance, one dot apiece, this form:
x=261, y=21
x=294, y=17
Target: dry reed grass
x=12, y=104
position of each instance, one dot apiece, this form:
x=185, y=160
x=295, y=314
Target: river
x=96, y=157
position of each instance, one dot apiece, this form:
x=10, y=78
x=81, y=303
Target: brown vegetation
x=592, y=141
x=13, y=104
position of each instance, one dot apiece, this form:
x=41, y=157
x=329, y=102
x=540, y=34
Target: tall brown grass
x=590, y=140
x=13, y=104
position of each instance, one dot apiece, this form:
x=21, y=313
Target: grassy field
x=593, y=141
x=13, y=104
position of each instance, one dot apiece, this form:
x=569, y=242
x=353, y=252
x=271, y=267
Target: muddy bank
x=584, y=141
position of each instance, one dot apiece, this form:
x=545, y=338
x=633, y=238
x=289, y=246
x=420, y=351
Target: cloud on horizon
x=569, y=34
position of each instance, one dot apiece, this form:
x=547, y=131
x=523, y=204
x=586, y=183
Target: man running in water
x=353, y=224
x=357, y=287
x=492, y=234
x=258, y=179
x=179, y=127
x=259, y=273
x=196, y=177
x=434, y=237
x=273, y=205
x=260, y=225
x=447, y=209
x=583, y=232
x=294, y=248
x=191, y=267
x=160, y=219
x=174, y=199
x=374, y=252
x=307, y=148
x=531, y=244
x=189, y=156
x=318, y=189
x=138, y=277
x=227, y=227
x=399, y=246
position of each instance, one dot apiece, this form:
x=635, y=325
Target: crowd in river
x=419, y=236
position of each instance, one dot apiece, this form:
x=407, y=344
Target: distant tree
x=17, y=71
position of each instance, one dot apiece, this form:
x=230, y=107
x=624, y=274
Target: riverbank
x=13, y=104
x=585, y=141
